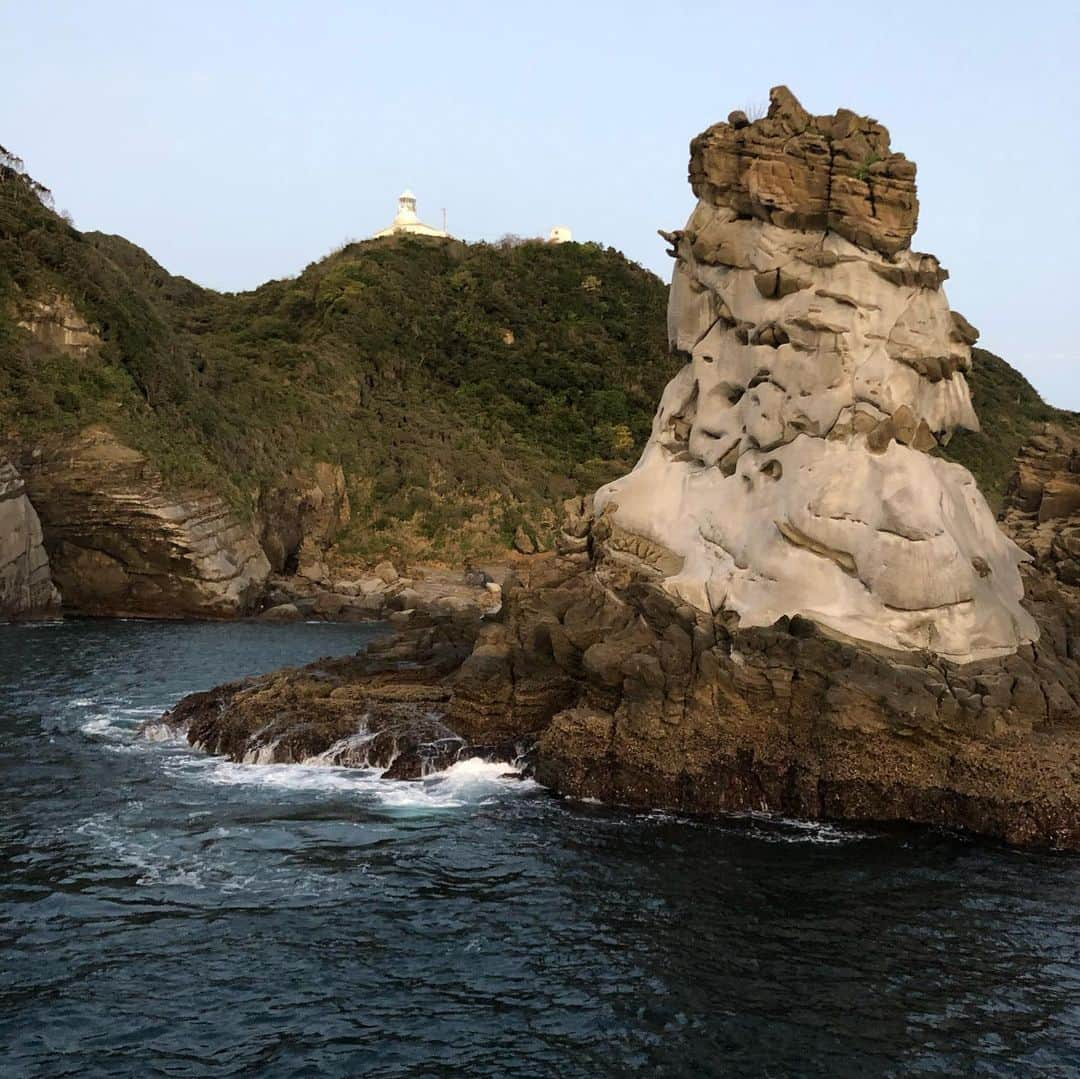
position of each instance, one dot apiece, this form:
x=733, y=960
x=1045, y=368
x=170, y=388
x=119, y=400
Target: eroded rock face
x=26, y=588
x=120, y=544
x=799, y=171
x=789, y=473
x=57, y=323
x=300, y=518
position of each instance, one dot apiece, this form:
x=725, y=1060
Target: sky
x=238, y=142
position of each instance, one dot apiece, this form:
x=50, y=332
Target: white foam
x=161, y=732
x=104, y=725
x=299, y=777
x=770, y=828
x=468, y=782
x=472, y=781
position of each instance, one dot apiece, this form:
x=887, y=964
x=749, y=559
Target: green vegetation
x=1009, y=410
x=464, y=388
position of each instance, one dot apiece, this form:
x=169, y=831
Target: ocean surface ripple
x=163, y=913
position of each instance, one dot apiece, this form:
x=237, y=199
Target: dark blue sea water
x=168, y=914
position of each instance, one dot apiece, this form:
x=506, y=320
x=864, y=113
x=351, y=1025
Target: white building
x=560, y=234
x=407, y=220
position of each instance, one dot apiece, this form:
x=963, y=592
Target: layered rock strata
x=26, y=588
x=56, y=322
x=120, y=544
x=1042, y=507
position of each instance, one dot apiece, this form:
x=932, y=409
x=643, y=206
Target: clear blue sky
x=240, y=141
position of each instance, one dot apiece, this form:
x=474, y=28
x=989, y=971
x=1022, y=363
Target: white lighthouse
x=408, y=221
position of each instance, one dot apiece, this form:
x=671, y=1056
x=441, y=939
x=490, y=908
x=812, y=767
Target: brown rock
x=523, y=542
x=804, y=172
x=121, y=543
x=301, y=516
x=283, y=612
x=386, y=572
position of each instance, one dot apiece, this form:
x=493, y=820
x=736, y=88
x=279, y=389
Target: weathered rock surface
x=382, y=709
x=384, y=594
x=692, y=712
x=1042, y=509
x=798, y=171
x=300, y=517
x=788, y=472
x=120, y=544
x=26, y=588
x=56, y=322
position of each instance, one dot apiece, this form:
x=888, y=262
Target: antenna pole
x=444, y=219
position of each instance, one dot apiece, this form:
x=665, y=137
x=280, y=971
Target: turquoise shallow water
x=167, y=914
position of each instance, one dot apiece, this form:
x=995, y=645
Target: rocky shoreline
x=793, y=604
x=614, y=691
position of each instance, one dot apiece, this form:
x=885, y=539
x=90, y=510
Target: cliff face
x=1042, y=508
x=120, y=544
x=26, y=588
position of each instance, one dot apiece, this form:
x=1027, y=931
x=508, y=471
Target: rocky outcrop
x=813, y=173
x=381, y=709
x=789, y=605
x=1042, y=506
x=55, y=322
x=696, y=713
x=120, y=544
x=789, y=473
x=26, y=588
x=300, y=517
x=383, y=594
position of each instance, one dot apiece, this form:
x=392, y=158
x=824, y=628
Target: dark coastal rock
x=635, y=698
x=382, y=709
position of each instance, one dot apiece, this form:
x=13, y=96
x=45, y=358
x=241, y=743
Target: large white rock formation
x=789, y=471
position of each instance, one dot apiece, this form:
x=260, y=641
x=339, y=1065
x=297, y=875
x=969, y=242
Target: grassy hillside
x=463, y=388
x=1009, y=410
